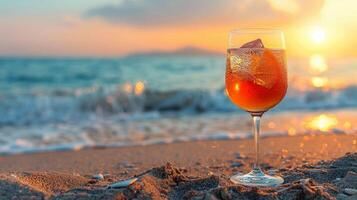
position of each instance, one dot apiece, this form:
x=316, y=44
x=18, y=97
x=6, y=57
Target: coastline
x=199, y=159
x=142, y=130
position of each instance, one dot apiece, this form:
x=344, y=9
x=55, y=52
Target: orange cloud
x=203, y=12
x=77, y=36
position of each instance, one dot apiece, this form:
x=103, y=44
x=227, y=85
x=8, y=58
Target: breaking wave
x=82, y=104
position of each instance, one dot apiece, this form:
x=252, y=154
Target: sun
x=318, y=35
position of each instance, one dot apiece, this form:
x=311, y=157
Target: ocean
x=72, y=103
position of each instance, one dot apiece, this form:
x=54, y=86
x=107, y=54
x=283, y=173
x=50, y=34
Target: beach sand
x=313, y=166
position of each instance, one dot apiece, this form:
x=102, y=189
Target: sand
x=314, y=167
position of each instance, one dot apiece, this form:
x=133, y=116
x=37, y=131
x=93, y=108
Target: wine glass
x=256, y=80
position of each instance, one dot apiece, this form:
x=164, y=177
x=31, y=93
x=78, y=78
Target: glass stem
x=256, y=123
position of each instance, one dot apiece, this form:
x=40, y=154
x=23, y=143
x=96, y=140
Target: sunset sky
x=120, y=27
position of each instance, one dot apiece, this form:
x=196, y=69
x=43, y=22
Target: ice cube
x=253, y=44
x=257, y=65
x=266, y=73
x=242, y=62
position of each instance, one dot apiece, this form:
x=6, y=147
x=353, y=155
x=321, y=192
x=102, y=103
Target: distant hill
x=195, y=51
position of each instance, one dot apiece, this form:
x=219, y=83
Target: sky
x=120, y=27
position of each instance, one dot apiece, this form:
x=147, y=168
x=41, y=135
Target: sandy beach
x=314, y=167
x=178, y=100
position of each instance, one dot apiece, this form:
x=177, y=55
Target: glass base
x=257, y=178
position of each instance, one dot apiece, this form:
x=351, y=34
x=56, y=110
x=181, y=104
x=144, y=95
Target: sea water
x=70, y=103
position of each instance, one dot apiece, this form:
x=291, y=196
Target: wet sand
x=314, y=167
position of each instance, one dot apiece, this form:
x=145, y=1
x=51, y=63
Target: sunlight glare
x=236, y=87
x=323, y=122
x=318, y=35
x=319, y=82
x=318, y=64
x=288, y=6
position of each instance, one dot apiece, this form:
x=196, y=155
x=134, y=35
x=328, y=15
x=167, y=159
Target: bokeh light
x=323, y=122
x=128, y=88
x=139, y=88
x=319, y=82
x=318, y=64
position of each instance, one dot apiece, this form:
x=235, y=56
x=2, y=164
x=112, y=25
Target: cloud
x=176, y=12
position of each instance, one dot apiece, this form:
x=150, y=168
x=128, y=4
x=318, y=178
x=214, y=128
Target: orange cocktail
x=256, y=78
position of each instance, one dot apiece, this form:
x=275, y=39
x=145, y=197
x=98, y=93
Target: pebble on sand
x=98, y=176
x=236, y=164
x=122, y=184
x=350, y=191
x=341, y=196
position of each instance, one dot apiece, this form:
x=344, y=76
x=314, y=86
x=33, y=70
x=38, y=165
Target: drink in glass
x=256, y=81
